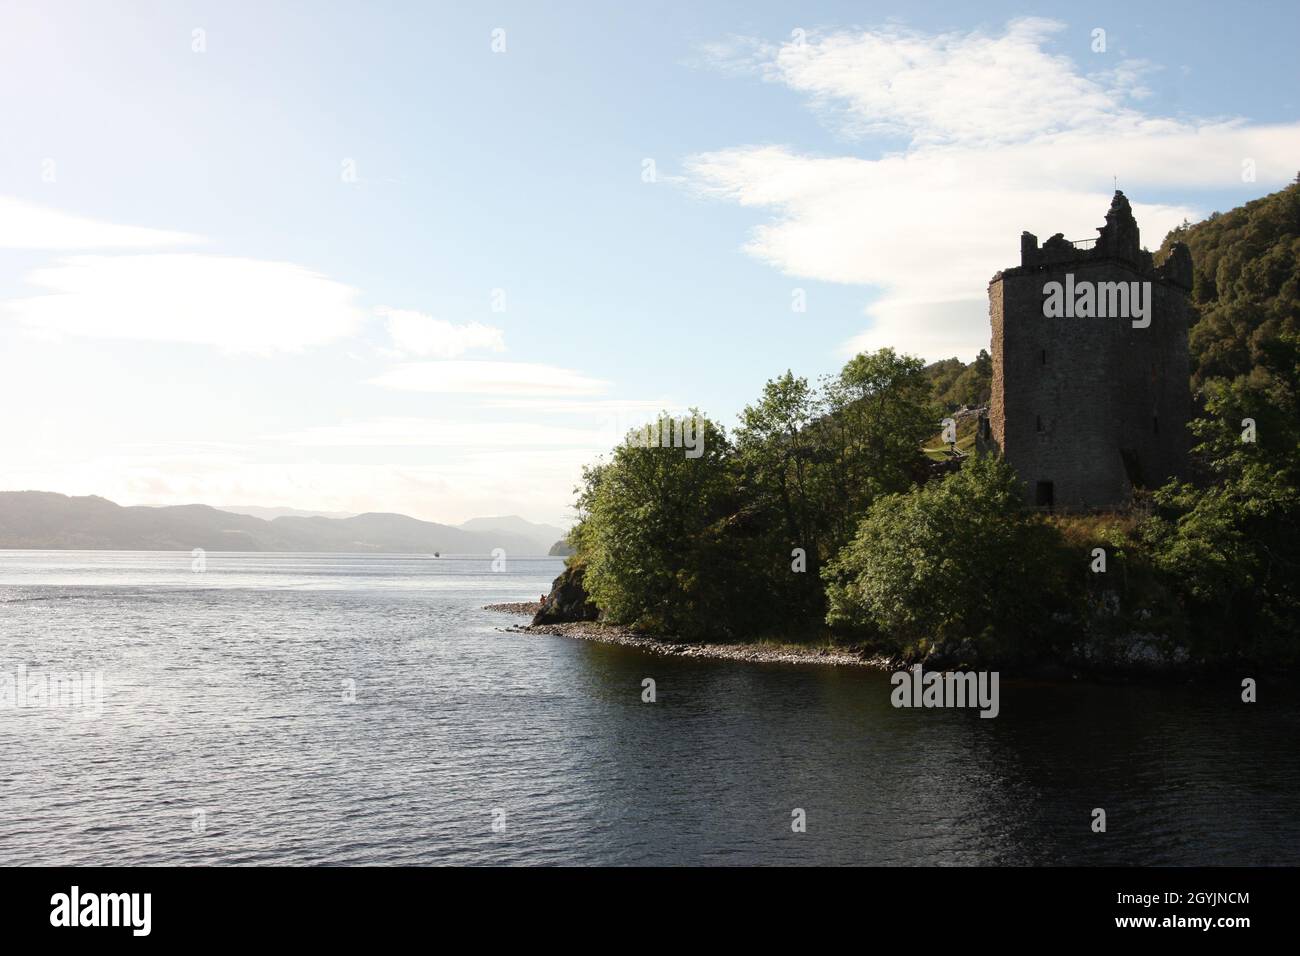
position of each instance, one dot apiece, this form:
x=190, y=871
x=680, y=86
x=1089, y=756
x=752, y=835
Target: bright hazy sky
x=348, y=257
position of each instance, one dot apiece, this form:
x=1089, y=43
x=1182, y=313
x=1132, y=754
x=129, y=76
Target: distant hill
x=561, y=549
x=541, y=535
x=44, y=520
x=269, y=513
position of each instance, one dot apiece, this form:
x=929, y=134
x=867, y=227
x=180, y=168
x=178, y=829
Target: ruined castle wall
x=997, y=348
x=1089, y=404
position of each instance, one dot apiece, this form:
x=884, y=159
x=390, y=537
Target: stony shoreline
x=518, y=607
x=1127, y=667
x=752, y=652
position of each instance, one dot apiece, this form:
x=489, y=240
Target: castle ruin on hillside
x=1090, y=366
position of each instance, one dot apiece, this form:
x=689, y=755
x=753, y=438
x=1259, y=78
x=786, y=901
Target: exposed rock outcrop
x=568, y=600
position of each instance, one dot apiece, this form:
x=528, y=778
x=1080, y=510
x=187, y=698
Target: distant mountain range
x=542, y=535
x=45, y=520
x=270, y=513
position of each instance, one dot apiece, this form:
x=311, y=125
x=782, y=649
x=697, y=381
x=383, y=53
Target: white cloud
x=594, y=426
x=588, y=406
x=952, y=87
x=481, y=377
x=415, y=333
x=240, y=305
x=1004, y=137
x=26, y=225
x=443, y=433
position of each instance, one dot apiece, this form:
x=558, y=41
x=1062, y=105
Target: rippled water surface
x=226, y=736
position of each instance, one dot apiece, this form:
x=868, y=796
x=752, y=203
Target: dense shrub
x=954, y=559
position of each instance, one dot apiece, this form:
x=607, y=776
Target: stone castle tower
x=1089, y=404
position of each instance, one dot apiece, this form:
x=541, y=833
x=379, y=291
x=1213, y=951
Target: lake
x=365, y=709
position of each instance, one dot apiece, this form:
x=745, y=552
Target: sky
x=434, y=258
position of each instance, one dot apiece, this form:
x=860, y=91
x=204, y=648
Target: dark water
x=225, y=737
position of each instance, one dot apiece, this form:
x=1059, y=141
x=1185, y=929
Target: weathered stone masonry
x=1086, y=409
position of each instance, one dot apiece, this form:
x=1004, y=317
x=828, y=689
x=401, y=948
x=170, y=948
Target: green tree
x=879, y=410
x=951, y=560
x=654, y=538
x=1230, y=547
x=974, y=386
x=942, y=374
x=785, y=508
x=955, y=383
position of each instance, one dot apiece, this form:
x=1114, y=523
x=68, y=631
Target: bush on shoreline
x=951, y=561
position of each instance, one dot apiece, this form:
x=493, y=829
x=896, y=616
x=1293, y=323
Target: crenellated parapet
x=1119, y=240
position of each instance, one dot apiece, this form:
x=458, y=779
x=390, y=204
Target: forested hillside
x=1230, y=547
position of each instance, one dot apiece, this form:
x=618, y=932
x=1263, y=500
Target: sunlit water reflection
x=227, y=737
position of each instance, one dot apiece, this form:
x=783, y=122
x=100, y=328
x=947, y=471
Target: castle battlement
x=1118, y=241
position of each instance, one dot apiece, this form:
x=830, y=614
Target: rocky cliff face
x=567, y=601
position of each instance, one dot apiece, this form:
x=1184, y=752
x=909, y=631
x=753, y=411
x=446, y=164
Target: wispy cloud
x=587, y=406
x=236, y=304
x=443, y=433
x=1002, y=135
x=489, y=378
x=25, y=225
x=414, y=333
x=970, y=88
